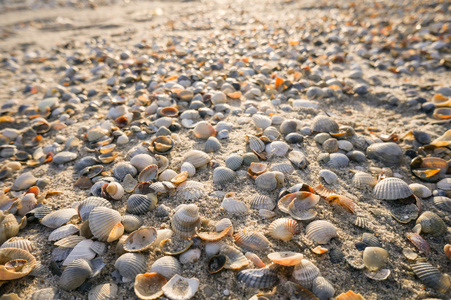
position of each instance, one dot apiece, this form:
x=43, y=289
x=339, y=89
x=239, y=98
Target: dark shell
x=216, y=263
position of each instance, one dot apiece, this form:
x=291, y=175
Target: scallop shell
x=28, y=262
x=212, y=145
x=320, y=231
x=123, y=168
x=105, y=224
x=388, y=153
x=75, y=274
x=268, y=181
x=148, y=174
x=252, y=241
x=277, y=148
x=223, y=175
x=322, y=288
x=131, y=222
x=362, y=179
x=392, y=188
x=141, y=204
x=298, y=159
x=337, y=160
x=443, y=203
x=185, y=220
x=86, y=206
x=180, y=288
x=431, y=276
x=283, y=229
x=131, y=264
x=233, y=206
x=189, y=168
x=81, y=250
x=103, y=291
x=255, y=143
x=148, y=285
x=58, y=218
x=18, y=242
x=323, y=123
x=168, y=266
x=305, y=273
x=203, y=130
x=234, y=161
x=286, y=258
x=431, y=224
x=350, y=295
x=374, y=258
x=258, y=278
x=223, y=224
x=196, y=158
x=63, y=232
x=262, y=202
x=140, y=240
x=261, y=121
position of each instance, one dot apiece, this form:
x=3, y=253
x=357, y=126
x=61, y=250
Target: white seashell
x=283, y=229
x=261, y=121
x=329, y=176
x=392, y=188
x=234, y=161
x=162, y=234
x=98, y=247
x=255, y=241
x=320, y=231
x=141, y=161
x=271, y=133
x=131, y=222
x=203, y=130
x=70, y=241
x=305, y=273
x=196, y=158
x=235, y=258
x=167, y=175
x=188, y=167
x=105, y=224
x=140, y=240
x=190, y=190
x=223, y=224
x=266, y=214
x=115, y=190
x=362, y=179
x=223, y=175
x=444, y=184
x=86, y=206
x=131, y=264
x=57, y=218
x=104, y=291
x=233, y=206
x=213, y=248
x=277, y=148
x=212, y=145
x=168, y=266
x=180, y=288
x=322, y=288
x=24, y=181
x=18, y=242
x=268, y=181
x=190, y=256
x=63, y=232
x=82, y=250
x=420, y=190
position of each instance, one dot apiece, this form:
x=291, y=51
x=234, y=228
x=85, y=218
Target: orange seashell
x=350, y=295
x=286, y=258
x=169, y=111
x=447, y=250
x=234, y=95
x=121, y=121
x=343, y=201
x=34, y=190
x=214, y=236
x=441, y=101
x=322, y=191
x=294, y=43
x=171, y=78
x=279, y=82
x=255, y=259
x=6, y=119
x=442, y=113
x=319, y=250
x=257, y=169
x=179, y=178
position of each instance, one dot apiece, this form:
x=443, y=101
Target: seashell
x=320, y=231
x=269, y=181
x=180, y=288
x=289, y=126
x=256, y=169
x=252, y=241
x=378, y=275
x=86, y=206
x=64, y=157
x=272, y=133
x=255, y=144
x=286, y=258
x=190, y=190
x=140, y=240
x=39, y=212
x=285, y=168
x=112, y=190
x=350, y=295
x=262, y=202
x=96, y=189
x=447, y=250
x=26, y=204
x=98, y=247
x=266, y=214
x=185, y=220
x=43, y=294
x=444, y=184
x=343, y=201
x=107, y=158
x=323, y=123
x=329, y=176
x=335, y=255
x=167, y=175
x=131, y=264
x=298, y=159
x=91, y=172
x=371, y=240
x=131, y=222
x=141, y=204
x=277, y=148
x=214, y=236
x=330, y=145
x=409, y=254
x=389, y=154
x=322, y=288
x=233, y=206
x=196, y=158
x=148, y=173
x=103, y=291
x=429, y=169
x=299, y=207
x=356, y=155
x=261, y=121
x=234, y=161
x=223, y=224
x=123, y=168
x=161, y=145
x=212, y=145
x=60, y=254
x=75, y=274
x=18, y=242
x=148, y=285
x=305, y=273
x=216, y=263
x=70, y=241
x=63, y=232
x=443, y=203
x=431, y=276
x=258, y=278
x=374, y=258
x=420, y=190
x=420, y=243
x=58, y=218
x=283, y=229
x=140, y=149
x=337, y=160
x=105, y=224
x=81, y=250
x=15, y=263
x=223, y=175
x=429, y=222
x=168, y=266
x=141, y=161
x=190, y=256
x=404, y=213
x=24, y=181
x=442, y=113
x=362, y=179
x=392, y=188
x=169, y=247
x=189, y=168
x=249, y=158
x=203, y=130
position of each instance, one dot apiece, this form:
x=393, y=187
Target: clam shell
x=261, y=121
x=86, y=206
x=268, y=181
x=148, y=173
x=28, y=262
x=420, y=190
x=323, y=123
x=258, y=278
x=362, y=179
x=223, y=224
x=234, y=161
x=431, y=276
x=255, y=259
x=298, y=159
x=404, y=213
x=75, y=274
x=255, y=143
x=180, y=288
x=203, y=130
x=140, y=149
x=175, y=247
x=212, y=145
x=320, y=231
x=233, y=206
x=442, y=203
x=131, y=264
x=141, y=161
x=190, y=256
x=168, y=266
x=105, y=224
x=81, y=250
x=252, y=241
x=24, y=181
x=389, y=154
x=322, y=288
x=392, y=188
x=223, y=175
x=283, y=229
x=285, y=168
x=289, y=126
x=103, y=291
x=330, y=145
x=431, y=224
x=123, y=168
x=337, y=160
x=141, y=204
x=277, y=148
x=190, y=190
x=148, y=285
x=18, y=242
x=63, y=232
x=140, y=240
x=286, y=258
x=380, y=275
x=185, y=220
x=9, y=226
x=58, y=218
x=189, y=168
x=374, y=258
x=262, y=202
x=131, y=222
x=168, y=174
x=271, y=133
x=444, y=184
x=162, y=144
x=257, y=169
x=196, y=158
x=305, y=273
x=216, y=263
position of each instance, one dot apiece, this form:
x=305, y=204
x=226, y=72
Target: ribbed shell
x=255, y=143
x=140, y=204
x=185, y=220
x=392, y=188
x=330, y=145
x=252, y=241
x=362, y=222
x=81, y=250
x=258, y=278
x=277, y=148
x=167, y=175
x=320, y=232
x=176, y=290
x=431, y=223
x=388, y=153
x=123, y=168
x=141, y=161
x=105, y=224
x=305, y=273
x=285, y=168
x=105, y=291
x=212, y=145
x=362, y=179
x=272, y=133
x=255, y=259
x=431, y=276
x=168, y=266
x=148, y=173
x=85, y=207
x=286, y=258
x=371, y=240
x=234, y=161
x=268, y=181
x=235, y=258
x=18, y=242
x=233, y=206
x=223, y=175
x=337, y=160
x=131, y=222
x=60, y=254
x=75, y=274
x=196, y=158
x=323, y=123
x=63, y=232
x=70, y=241
x=188, y=167
x=261, y=121
x=283, y=229
x=58, y=218
x=43, y=294
x=98, y=247
x=190, y=190
x=442, y=203
x=131, y=264
x=263, y=202
x=444, y=184
x=148, y=286
x=322, y=288
x=140, y=240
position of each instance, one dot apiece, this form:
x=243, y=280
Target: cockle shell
x=251, y=240
x=123, y=168
x=322, y=288
x=234, y=161
x=203, y=130
x=305, y=273
x=223, y=175
x=168, y=266
x=362, y=179
x=283, y=229
x=233, y=206
x=262, y=202
x=261, y=121
x=81, y=250
x=18, y=242
x=141, y=161
x=431, y=223
x=268, y=181
x=258, y=278
x=148, y=173
x=185, y=220
x=167, y=175
x=235, y=258
x=86, y=206
x=277, y=148
x=286, y=258
x=131, y=264
x=196, y=158
x=190, y=190
x=75, y=274
x=131, y=222
x=24, y=181
x=388, y=153
x=255, y=143
x=189, y=168
x=148, y=285
x=180, y=288
x=320, y=231
x=103, y=291
x=212, y=145
x=323, y=123
x=392, y=188
x=140, y=204
x=223, y=224
x=431, y=276
x=105, y=224
x=63, y=232
x=58, y=218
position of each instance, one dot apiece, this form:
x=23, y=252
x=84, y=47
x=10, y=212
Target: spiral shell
x=27, y=262
x=323, y=123
x=185, y=220
x=431, y=276
x=320, y=231
x=75, y=274
x=140, y=240
x=286, y=258
x=131, y=264
x=141, y=204
x=168, y=266
x=252, y=241
x=196, y=158
x=392, y=188
x=86, y=206
x=103, y=291
x=305, y=273
x=234, y=161
x=58, y=218
x=283, y=229
x=180, y=288
x=258, y=278
x=148, y=285
x=233, y=206
x=105, y=224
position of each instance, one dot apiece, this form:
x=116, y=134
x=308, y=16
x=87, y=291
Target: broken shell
x=320, y=231
x=162, y=145
x=140, y=240
x=180, y=288
x=343, y=201
x=374, y=258
x=58, y=218
x=223, y=175
x=388, y=153
x=420, y=243
x=168, y=247
x=148, y=285
x=86, y=206
x=196, y=158
x=371, y=240
x=223, y=224
x=235, y=258
x=255, y=259
x=190, y=190
x=105, y=224
x=305, y=273
x=255, y=143
x=378, y=275
x=404, y=213
x=168, y=266
x=131, y=222
x=262, y=202
x=141, y=161
x=167, y=175
x=431, y=223
x=123, y=168
x=431, y=276
x=258, y=278
x=392, y=188
x=75, y=274
x=131, y=264
x=216, y=263
x=322, y=288
x=70, y=241
x=323, y=123
x=63, y=232
x=21, y=263
x=203, y=130
x=190, y=256
x=251, y=241
x=234, y=161
x=286, y=258
x=103, y=292
x=283, y=229
x=140, y=204
x=298, y=159
x=214, y=236
x=257, y=169
x=81, y=250
x=186, y=220
x=233, y=206
x=299, y=207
